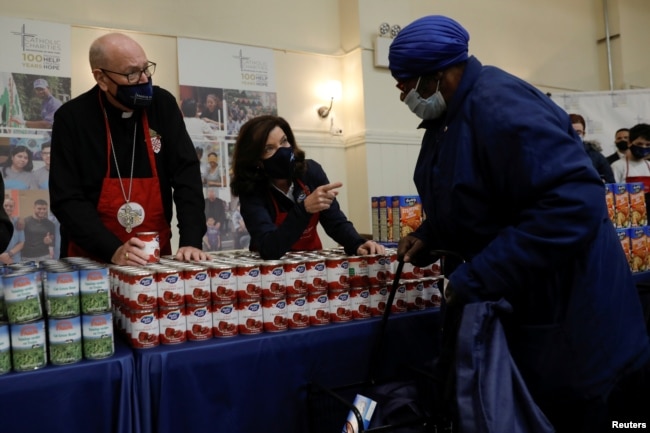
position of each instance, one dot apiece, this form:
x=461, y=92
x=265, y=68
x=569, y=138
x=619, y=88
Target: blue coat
x=505, y=182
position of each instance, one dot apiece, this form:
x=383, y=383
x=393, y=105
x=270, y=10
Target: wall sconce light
x=332, y=90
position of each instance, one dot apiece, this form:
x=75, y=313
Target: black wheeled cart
x=407, y=401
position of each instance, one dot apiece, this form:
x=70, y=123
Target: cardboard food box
x=407, y=215
x=638, y=248
x=609, y=200
x=374, y=217
x=638, y=212
x=385, y=219
x=622, y=205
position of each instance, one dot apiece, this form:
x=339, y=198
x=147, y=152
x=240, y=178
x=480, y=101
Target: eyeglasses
x=134, y=77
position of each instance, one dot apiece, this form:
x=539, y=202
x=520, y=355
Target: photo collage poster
x=222, y=86
x=35, y=80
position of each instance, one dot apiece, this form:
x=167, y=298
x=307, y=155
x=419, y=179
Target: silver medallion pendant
x=130, y=215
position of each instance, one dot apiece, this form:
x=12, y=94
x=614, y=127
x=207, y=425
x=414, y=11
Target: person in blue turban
x=506, y=184
x=427, y=45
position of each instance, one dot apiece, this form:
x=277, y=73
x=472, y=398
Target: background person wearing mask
x=593, y=149
x=284, y=196
x=525, y=208
x=121, y=158
x=622, y=141
x=636, y=167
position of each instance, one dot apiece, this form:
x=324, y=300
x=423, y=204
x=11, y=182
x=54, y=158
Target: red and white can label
x=295, y=273
x=316, y=274
x=399, y=300
x=144, y=329
x=340, y=305
x=273, y=280
x=171, y=287
x=378, y=298
x=197, y=285
x=337, y=273
x=378, y=267
x=431, y=292
x=142, y=290
x=414, y=294
x=173, y=324
x=250, y=317
x=274, y=314
x=358, y=271
x=151, y=245
x=319, y=308
x=433, y=270
x=297, y=311
x=199, y=322
x=360, y=302
x=391, y=264
x=225, y=319
x=223, y=283
x=249, y=280
x=411, y=272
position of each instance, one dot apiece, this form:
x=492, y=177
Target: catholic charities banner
x=35, y=70
x=222, y=86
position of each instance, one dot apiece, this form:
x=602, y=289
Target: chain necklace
x=130, y=214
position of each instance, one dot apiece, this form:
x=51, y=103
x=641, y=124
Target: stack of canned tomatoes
x=235, y=293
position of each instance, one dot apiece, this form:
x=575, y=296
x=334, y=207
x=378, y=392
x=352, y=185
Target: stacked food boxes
x=627, y=210
x=394, y=217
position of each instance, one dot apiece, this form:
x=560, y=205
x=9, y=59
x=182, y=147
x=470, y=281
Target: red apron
x=145, y=191
x=643, y=179
x=309, y=240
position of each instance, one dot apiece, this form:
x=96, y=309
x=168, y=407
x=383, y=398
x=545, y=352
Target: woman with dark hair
x=17, y=169
x=284, y=196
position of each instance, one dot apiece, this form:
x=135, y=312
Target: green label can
x=97, y=334
x=28, y=348
x=64, y=340
x=5, y=348
x=21, y=291
x=94, y=288
x=62, y=292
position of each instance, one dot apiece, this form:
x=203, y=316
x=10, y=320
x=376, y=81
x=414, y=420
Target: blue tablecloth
x=258, y=383
x=89, y=396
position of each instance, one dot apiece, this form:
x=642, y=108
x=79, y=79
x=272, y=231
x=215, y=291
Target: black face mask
x=281, y=164
x=621, y=145
x=135, y=95
x=639, y=152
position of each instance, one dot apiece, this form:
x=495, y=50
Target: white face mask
x=426, y=109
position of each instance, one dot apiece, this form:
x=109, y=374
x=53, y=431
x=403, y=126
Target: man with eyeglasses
x=121, y=159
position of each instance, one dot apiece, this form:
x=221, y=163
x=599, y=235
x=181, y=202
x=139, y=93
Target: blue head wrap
x=427, y=45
